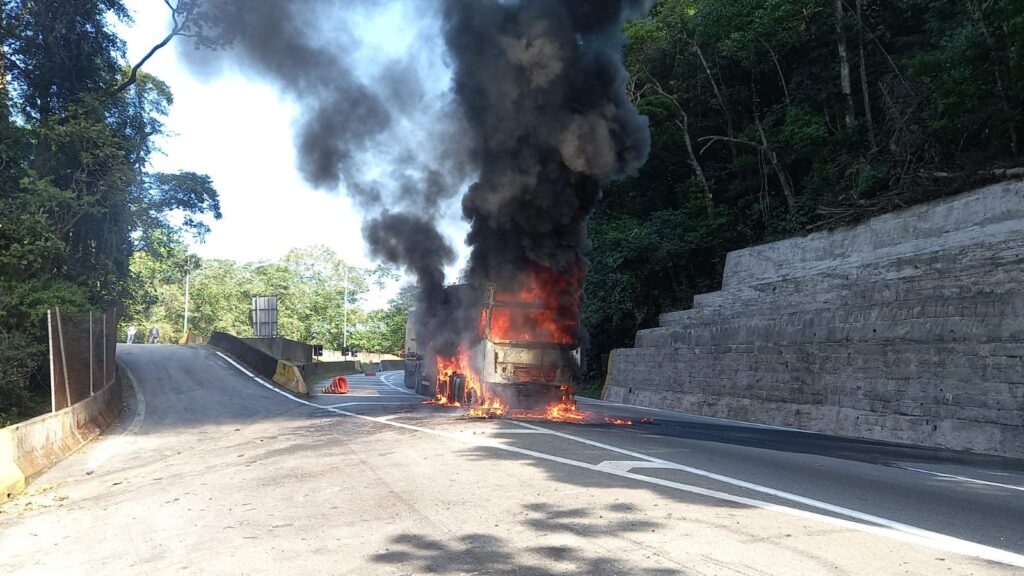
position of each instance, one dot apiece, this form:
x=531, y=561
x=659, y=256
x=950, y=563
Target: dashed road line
x=877, y=525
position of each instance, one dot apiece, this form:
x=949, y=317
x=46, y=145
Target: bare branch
x=176, y=30
x=778, y=68
x=712, y=139
x=683, y=122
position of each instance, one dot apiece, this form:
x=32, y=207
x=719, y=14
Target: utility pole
x=187, y=274
x=344, y=328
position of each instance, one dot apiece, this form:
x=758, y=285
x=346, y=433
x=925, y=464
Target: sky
x=267, y=207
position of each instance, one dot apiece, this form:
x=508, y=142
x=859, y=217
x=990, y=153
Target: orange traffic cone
x=337, y=386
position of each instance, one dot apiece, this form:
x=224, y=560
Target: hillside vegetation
x=773, y=118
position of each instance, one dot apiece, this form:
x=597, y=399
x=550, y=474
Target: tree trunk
x=778, y=68
x=977, y=15
x=684, y=125
x=718, y=94
x=683, y=122
x=844, y=65
x=780, y=172
x=868, y=117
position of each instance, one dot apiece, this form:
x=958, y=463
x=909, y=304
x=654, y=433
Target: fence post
x=105, y=349
x=92, y=356
x=63, y=356
x=53, y=375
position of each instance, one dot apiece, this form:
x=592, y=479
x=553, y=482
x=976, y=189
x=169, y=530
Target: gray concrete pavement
x=216, y=473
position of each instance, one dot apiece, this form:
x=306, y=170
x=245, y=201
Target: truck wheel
x=457, y=387
x=472, y=399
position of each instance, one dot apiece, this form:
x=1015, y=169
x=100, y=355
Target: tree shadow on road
x=546, y=528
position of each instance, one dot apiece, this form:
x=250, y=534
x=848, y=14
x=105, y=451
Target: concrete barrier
x=282, y=373
x=283, y=349
x=288, y=375
x=907, y=328
x=29, y=448
x=257, y=360
x=191, y=338
x=392, y=365
x=323, y=370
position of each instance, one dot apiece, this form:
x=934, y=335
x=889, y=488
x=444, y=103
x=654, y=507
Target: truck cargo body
x=521, y=357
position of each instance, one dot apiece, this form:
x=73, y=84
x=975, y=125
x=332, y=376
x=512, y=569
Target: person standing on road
x=154, y=334
x=131, y=334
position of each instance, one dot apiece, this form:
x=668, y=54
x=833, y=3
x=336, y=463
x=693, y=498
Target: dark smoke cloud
x=537, y=114
x=444, y=317
x=349, y=117
x=413, y=243
x=542, y=88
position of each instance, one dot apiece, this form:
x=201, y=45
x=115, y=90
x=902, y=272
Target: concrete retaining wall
x=283, y=349
x=29, y=448
x=391, y=365
x=908, y=328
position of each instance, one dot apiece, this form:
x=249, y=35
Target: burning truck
x=522, y=355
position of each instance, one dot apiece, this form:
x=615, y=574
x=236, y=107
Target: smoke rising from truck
x=537, y=116
x=542, y=89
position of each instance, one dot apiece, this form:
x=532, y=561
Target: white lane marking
x=593, y=443
x=627, y=465
x=368, y=394
x=366, y=404
x=585, y=401
x=253, y=376
x=507, y=431
x=964, y=478
x=885, y=527
x=385, y=379
x=850, y=513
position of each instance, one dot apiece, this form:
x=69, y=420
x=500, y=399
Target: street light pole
x=188, y=272
x=344, y=329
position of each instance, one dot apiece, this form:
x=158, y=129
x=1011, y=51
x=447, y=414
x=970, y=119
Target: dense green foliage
x=313, y=285
x=771, y=118
x=76, y=199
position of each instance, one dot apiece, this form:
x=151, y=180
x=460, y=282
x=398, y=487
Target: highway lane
x=222, y=474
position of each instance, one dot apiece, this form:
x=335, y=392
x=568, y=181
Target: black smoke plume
x=542, y=88
x=538, y=113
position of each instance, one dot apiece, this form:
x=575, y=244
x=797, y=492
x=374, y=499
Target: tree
x=75, y=195
x=757, y=134
x=384, y=330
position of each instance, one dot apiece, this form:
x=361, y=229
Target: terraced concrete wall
x=909, y=327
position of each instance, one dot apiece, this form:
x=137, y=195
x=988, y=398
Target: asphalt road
x=211, y=471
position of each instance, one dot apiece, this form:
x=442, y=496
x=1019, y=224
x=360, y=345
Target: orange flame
x=546, y=308
x=564, y=411
x=449, y=366
x=618, y=421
